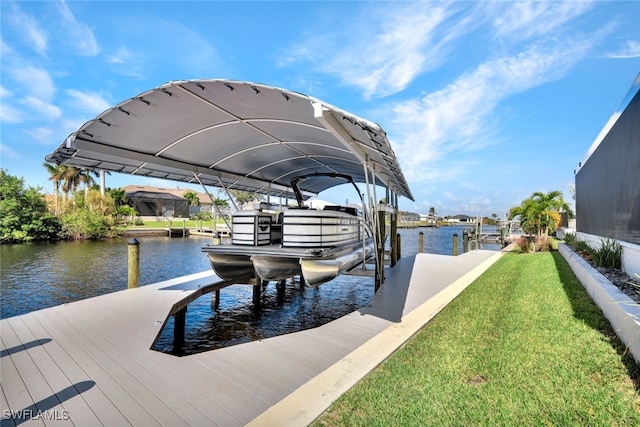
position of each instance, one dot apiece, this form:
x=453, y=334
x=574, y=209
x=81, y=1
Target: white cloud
x=128, y=63
x=5, y=49
x=8, y=152
x=42, y=135
x=122, y=55
x=458, y=118
x=88, y=101
x=10, y=114
x=33, y=89
x=525, y=20
x=33, y=80
x=30, y=29
x=630, y=49
x=188, y=48
x=388, y=60
x=185, y=49
x=4, y=92
x=37, y=105
x=76, y=33
x=383, y=51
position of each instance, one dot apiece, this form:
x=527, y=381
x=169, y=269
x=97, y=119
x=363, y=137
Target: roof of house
x=153, y=195
x=178, y=192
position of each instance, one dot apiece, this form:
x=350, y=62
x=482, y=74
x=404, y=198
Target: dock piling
x=215, y=299
x=465, y=241
x=257, y=293
x=394, y=237
x=420, y=242
x=455, y=244
x=179, y=325
x=133, y=279
x=280, y=288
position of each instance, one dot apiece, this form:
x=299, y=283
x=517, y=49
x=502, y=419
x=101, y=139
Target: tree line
x=79, y=209
x=27, y=214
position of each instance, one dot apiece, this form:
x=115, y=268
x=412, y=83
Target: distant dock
x=176, y=231
x=90, y=362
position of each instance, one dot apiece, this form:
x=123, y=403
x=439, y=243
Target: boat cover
x=240, y=135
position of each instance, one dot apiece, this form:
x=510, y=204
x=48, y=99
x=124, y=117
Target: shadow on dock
x=390, y=300
x=42, y=410
x=23, y=347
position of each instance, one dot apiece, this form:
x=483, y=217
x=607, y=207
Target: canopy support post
x=227, y=193
x=394, y=230
x=217, y=208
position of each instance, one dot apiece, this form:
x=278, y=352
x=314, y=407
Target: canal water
x=40, y=275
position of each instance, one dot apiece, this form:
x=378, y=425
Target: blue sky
x=483, y=102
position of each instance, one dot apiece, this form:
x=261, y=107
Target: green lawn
x=522, y=345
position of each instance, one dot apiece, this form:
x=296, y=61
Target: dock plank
x=161, y=379
x=42, y=395
x=98, y=402
x=109, y=381
x=7, y=419
x=67, y=393
x=13, y=387
x=139, y=383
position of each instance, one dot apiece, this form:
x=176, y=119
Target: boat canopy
x=237, y=135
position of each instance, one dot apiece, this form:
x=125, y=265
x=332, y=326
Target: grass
x=522, y=345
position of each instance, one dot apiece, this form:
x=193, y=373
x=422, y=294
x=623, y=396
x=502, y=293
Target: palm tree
x=84, y=177
x=70, y=181
x=218, y=204
x=540, y=213
x=118, y=196
x=192, y=198
x=244, y=197
x=56, y=173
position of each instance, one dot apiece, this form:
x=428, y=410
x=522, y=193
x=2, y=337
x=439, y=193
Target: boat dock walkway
x=89, y=362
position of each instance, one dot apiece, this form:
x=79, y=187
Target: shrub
x=84, y=224
x=570, y=239
x=523, y=244
x=543, y=244
x=23, y=212
x=125, y=213
x=138, y=221
x=203, y=216
x=609, y=255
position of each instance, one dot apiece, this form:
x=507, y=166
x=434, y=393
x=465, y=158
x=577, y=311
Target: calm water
x=36, y=276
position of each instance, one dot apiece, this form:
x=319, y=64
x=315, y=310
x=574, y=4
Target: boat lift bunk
x=250, y=137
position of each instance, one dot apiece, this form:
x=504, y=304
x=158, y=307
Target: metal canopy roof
x=244, y=136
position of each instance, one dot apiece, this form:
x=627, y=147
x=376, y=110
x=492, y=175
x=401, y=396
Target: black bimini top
x=240, y=135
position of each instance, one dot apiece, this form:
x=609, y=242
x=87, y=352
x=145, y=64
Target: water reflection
x=40, y=275
x=236, y=322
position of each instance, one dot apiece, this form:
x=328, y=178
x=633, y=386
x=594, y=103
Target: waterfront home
x=459, y=219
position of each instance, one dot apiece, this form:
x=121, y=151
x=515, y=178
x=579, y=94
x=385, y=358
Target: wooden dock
x=89, y=362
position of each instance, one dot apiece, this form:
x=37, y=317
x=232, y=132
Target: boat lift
x=244, y=136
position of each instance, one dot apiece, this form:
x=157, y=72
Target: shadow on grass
x=585, y=309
